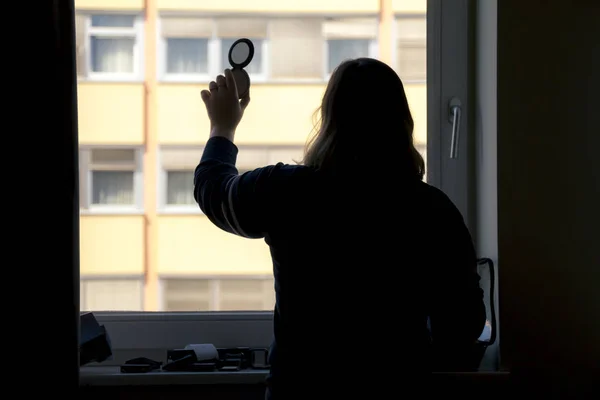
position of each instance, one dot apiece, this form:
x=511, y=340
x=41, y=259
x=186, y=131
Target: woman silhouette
x=364, y=252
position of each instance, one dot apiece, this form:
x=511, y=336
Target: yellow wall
x=276, y=114
x=109, y=4
x=110, y=113
x=280, y=114
x=409, y=6
x=111, y=245
x=417, y=101
x=273, y=6
x=193, y=245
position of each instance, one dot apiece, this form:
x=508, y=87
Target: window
x=329, y=41
x=196, y=49
x=218, y=294
x=176, y=247
x=411, y=48
x=255, y=29
x=179, y=188
x=348, y=38
x=110, y=179
x=111, y=293
x=178, y=165
x=108, y=46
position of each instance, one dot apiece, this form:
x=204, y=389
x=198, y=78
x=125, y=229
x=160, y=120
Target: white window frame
x=455, y=176
x=214, y=57
x=86, y=171
x=136, y=32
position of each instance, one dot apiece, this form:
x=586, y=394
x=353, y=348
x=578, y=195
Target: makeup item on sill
x=241, y=53
x=259, y=358
x=203, y=351
x=231, y=357
x=140, y=365
x=94, y=342
x=192, y=358
x=245, y=357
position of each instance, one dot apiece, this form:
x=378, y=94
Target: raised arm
x=238, y=204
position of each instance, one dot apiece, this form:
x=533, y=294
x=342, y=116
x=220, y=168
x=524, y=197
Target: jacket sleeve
x=239, y=204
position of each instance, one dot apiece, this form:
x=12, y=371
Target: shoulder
x=281, y=173
x=438, y=201
x=279, y=177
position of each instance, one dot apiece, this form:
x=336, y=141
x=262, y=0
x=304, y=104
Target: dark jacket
x=361, y=259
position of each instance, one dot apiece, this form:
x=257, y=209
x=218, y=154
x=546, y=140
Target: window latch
x=454, y=113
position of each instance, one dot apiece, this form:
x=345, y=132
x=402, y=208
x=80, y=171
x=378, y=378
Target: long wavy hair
x=364, y=120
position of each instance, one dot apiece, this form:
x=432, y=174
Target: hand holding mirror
x=241, y=53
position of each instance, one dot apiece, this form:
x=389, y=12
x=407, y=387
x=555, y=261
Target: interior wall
x=549, y=187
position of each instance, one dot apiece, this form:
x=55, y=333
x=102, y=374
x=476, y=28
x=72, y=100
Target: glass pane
x=187, y=56
x=255, y=66
x=411, y=48
x=186, y=295
x=180, y=188
x=113, y=156
x=412, y=61
x=114, y=55
x=300, y=46
x=112, y=187
x=296, y=48
x=344, y=49
x=111, y=295
x=113, y=21
x=242, y=294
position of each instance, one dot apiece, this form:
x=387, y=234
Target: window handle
x=454, y=111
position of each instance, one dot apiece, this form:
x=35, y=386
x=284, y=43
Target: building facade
x=145, y=245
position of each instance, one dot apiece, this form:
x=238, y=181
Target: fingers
x=230, y=81
x=213, y=86
x=221, y=81
x=245, y=101
x=205, y=95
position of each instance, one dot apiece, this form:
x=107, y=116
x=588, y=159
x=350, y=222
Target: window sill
x=111, y=376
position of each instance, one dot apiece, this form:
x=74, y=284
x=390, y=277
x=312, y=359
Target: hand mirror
x=240, y=55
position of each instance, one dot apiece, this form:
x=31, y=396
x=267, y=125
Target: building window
x=180, y=186
x=251, y=293
x=196, y=49
x=228, y=30
x=257, y=67
x=112, y=187
x=187, y=56
x=348, y=39
x=110, y=179
x=186, y=44
x=108, y=46
x=178, y=165
x=111, y=294
x=411, y=48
